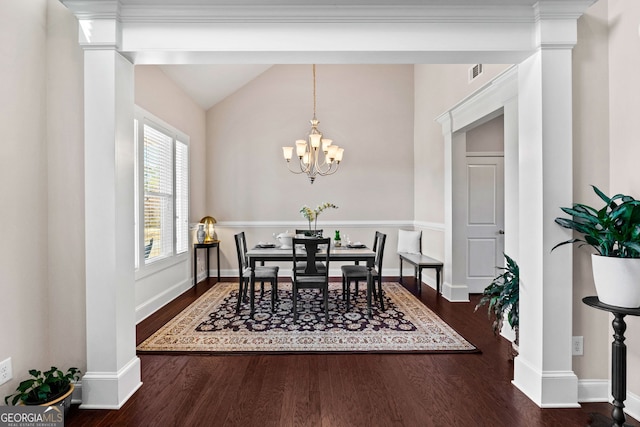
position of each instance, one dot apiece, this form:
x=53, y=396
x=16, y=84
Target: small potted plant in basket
x=613, y=231
x=52, y=387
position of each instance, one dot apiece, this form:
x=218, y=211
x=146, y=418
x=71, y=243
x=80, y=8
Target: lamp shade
x=209, y=228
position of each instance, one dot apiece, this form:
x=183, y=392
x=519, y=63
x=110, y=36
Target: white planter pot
x=617, y=280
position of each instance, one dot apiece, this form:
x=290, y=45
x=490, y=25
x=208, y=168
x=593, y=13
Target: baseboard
x=149, y=307
x=455, y=293
x=110, y=390
x=594, y=391
x=76, y=396
x=632, y=405
x=547, y=389
x=600, y=391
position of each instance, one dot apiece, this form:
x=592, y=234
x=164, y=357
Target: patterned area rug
x=210, y=325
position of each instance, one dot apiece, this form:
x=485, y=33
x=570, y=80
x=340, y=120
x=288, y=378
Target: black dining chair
x=357, y=273
x=307, y=233
x=262, y=274
x=311, y=277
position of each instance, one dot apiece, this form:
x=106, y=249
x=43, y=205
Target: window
x=162, y=190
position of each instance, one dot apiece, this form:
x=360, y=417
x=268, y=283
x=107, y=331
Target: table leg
x=195, y=266
x=369, y=287
x=438, y=273
x=218, y=260
x=207, y=263
x=252, y=284
x=618, y=369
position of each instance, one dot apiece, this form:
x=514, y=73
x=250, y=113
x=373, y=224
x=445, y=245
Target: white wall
x=591, y=166
x=488, y=137
x=65, y=161
x=24, y=306
x=624, y=104
x=367, y=109
x=159, y=95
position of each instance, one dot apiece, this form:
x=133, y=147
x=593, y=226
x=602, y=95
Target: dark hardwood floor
x=335, y=389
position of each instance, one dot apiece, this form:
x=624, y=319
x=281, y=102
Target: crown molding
x=212, y=13
x=560, y=9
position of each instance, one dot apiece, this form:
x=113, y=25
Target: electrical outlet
x=577, y=346
x=5, y=371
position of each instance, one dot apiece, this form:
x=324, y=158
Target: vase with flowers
x=311, y=215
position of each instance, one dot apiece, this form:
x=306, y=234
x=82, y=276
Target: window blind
x=182, y=197
x=158, y=192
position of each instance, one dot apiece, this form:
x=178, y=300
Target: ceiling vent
x=474, y=72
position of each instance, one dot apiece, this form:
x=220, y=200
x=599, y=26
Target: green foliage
x=43, y=386
x=503, y=296
x=312, y=214
x=613, y=230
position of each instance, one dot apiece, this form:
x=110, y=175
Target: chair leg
x=325, y=291
x=295, y=303
x=274, y=294
x=379, y=293
x=348, y=294
x=344, y=288
x=240, y=293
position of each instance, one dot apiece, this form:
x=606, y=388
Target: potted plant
x=312, y=215
x=503, y=297
x=613, y=231
x=52, y=387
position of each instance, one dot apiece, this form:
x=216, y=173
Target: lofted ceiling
x=209, y=84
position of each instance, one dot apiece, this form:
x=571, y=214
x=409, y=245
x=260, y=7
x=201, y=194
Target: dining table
x=357, y=254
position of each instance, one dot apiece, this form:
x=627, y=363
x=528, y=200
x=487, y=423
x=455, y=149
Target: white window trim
x=147, y=269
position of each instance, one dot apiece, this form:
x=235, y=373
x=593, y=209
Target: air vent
x=474, y=72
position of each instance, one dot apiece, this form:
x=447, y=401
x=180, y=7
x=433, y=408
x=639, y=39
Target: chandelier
x=316, y=155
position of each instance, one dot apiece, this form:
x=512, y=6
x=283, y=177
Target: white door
x=484, y=220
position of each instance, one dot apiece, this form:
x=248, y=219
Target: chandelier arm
x=300, y=166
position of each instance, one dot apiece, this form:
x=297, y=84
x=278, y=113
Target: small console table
x=207, y=246
x=618, y=360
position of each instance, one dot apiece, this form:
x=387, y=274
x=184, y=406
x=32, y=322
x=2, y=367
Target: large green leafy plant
x=43, y=386
x=503, y=297
x=612, y=230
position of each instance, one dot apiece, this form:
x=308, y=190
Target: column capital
x=99, y=23
x=557, y=22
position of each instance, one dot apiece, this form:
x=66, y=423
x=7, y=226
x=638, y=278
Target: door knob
x=500, y=231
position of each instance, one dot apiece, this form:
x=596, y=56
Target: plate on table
x=357, y=245
x=263, y=245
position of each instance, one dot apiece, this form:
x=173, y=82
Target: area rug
x=210, y=325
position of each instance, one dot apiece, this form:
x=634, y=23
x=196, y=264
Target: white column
x=113, y=369
x=543, y=369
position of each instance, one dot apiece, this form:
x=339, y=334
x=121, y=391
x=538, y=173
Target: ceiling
x=209, y=84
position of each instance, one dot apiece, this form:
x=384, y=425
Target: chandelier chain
x=314, y=91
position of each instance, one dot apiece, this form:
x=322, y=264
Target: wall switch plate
x=5, y=371
x=577, y=346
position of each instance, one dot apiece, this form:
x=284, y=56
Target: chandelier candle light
x=316, y=155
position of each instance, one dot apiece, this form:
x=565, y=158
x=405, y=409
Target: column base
x=110, y=390
x=547, y=389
